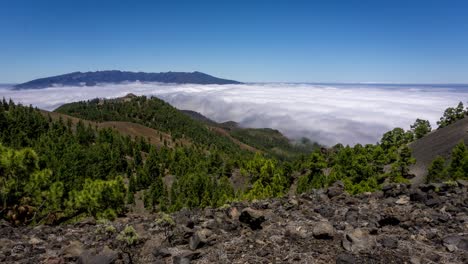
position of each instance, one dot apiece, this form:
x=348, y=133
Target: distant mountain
x=93, y=78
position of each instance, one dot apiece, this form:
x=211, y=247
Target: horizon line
x=302, y=82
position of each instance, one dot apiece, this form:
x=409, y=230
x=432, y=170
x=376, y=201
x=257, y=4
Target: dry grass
x=226, y=134
x=125, y=128
x=136, y=130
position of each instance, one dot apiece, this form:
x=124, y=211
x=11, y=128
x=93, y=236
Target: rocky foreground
x=428, y=224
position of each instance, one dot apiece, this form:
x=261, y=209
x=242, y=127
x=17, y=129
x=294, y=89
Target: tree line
x=53, y=171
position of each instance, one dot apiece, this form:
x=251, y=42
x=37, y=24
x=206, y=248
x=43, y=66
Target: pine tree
x=457, y=165
x=5, y=104
x=405, y=160
x=152, y=164
x=420, y=128
x=400, y=169
x=394, y=138
x=451, y=115
x=460, y=111
x=137, y=160
x=132, y=186
x=436, y=170
x=130, y=197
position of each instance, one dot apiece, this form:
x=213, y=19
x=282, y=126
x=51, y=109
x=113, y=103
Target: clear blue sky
x=316, y=41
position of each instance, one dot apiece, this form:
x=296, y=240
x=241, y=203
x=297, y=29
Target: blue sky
x=298, y=41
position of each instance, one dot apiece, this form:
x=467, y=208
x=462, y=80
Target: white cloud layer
x=327, y=114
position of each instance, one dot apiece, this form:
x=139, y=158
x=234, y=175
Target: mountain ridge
x=91, y=78
x=251, y=139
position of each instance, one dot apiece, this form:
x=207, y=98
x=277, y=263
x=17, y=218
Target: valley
x=131, y=164
x=244, y=132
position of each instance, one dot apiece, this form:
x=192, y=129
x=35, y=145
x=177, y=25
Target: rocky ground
x=428, y=224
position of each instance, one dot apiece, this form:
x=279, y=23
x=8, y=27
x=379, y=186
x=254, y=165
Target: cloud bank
x=328, y=114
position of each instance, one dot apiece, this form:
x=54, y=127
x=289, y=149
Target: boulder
x=358, y=240
x=53, y=260
x=345, y=258
x=454, y=242
x=196, y=242
x=162, y=252
x=296, y=230
x=440, y=217
x=18, y=250
x=415, y=260
x=180, y=260
x=323, y=230
x=291, y=204
x=352, y=216
x=35, y=241
x=86, y=222
x=416, y=195
x=190, y=224
x=106, y=256
x=253, y=218
x=433, y=202
x=389, y=220
x=73, y=250
x=199, y=239
x=185, y=257
x=326, y=211
x=210, y=224
x=434, y=187
x=462, y=183
x=395, y=189
x=6, y=243
x=403, y=200
x=233, y=213
x=336, y=189
x=153, y=245
x=389, y=242
x=426, y=187
x=4, y=223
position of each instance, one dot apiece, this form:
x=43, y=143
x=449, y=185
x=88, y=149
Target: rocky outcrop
x=425, y=224
x=253, y=218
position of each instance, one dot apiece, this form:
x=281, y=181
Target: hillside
x=205, y=198
x=93, y=78
x=228, y=125
x=327, y=226
x=153, y=113
x=59, y=168
x=199, y=117
x=188, y=125
x=153, y=136
x=272, y=141
x=133, y=130
x=267, y=140
x=439, y=142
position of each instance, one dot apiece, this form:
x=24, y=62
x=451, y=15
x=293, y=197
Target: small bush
x=165, y=220
x=128, y=236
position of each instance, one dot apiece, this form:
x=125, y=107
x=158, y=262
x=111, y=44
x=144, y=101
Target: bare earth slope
x=137, y=130
x=438, y=143
x=125, y=128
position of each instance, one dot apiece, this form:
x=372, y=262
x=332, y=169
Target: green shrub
x=165, y=220
x=128, y=236
x=436, y=171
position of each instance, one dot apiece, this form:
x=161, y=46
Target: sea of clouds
x=326, y=113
